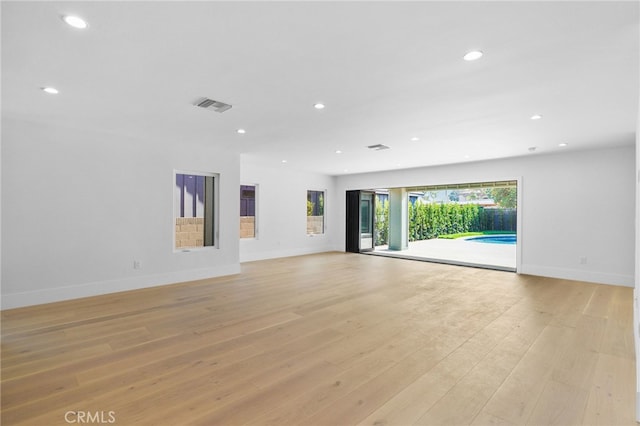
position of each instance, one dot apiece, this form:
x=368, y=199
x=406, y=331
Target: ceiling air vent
x=378, y=147
x=216, y=106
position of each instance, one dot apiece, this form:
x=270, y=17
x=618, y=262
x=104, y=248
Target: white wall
x=79, y=207
x=636, y=307
x=574, y=204
x=281, y=212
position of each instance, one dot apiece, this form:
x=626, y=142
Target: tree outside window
x=315, y=212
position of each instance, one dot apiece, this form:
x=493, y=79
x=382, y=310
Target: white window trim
x=324, y=214
x=256, y=216
x=216, y=211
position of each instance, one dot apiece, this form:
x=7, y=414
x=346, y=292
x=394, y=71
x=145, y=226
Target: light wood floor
x=329, y=339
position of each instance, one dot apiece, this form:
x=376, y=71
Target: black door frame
x=353, y=228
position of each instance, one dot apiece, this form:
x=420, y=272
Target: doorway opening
x=470, y=224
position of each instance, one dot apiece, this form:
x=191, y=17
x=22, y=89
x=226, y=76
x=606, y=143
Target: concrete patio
x=457, y=251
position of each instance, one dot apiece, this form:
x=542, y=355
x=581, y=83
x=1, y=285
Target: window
x=247, y=211
x=315, y=212
x=195, y=210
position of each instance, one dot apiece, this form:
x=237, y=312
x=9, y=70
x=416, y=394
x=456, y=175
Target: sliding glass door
x=366, y=220
x=360, y=216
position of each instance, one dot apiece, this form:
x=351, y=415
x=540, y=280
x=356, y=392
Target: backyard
x=441, y=228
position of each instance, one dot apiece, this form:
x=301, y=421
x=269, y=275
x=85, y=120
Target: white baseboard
x=578, y=275
x=38, y=297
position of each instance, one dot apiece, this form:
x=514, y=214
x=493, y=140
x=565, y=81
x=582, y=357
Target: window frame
x=216, y=210
x=324, y=210
x=255, y=211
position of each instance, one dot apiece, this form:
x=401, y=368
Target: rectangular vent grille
x=216, y=106
x=378, y=147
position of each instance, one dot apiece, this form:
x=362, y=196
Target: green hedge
x=428, y=221
x=382, y=223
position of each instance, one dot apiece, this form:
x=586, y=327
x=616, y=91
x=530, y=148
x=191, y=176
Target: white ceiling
x=387, y=72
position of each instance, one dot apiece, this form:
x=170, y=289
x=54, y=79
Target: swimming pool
x=494, y=239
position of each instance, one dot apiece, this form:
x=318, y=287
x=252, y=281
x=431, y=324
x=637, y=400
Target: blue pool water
x=494, y=239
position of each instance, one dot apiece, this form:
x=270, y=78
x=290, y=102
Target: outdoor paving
x=458, y=251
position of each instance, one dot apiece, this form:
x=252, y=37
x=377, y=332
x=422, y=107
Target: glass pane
x=365, y=216
x=315, y=212
x=247, y=211
x=193, y=211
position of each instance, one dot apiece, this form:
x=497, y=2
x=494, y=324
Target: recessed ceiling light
x=284, y=161
x=563, y=144
x=473, y=55
x=318, y=106
x=338, y=151
x=536, y=117
x=75, y=21
x=241, y=131
x=50, y=90
x=415, y=139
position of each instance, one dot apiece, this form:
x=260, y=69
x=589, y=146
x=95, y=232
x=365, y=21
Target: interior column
x=398, y=219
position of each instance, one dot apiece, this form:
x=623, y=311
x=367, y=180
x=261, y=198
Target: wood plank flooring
x=328, y=339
